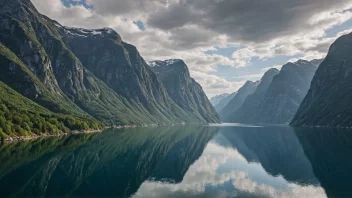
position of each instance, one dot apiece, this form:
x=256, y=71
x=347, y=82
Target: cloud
x=212, y=84
x=250, y=20
x=173, y=16
x=311, y=48
x=186, y=29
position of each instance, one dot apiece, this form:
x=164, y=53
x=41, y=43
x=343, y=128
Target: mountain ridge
x=183, y=89
x=285, y=93
x=86, y=73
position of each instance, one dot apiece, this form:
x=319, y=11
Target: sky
x=223, y=42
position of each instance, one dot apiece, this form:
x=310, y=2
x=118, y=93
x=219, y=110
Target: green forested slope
x=20, y=116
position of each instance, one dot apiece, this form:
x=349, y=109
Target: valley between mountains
x=55, y=79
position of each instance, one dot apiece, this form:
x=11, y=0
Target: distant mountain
x=184, y=90
x=249, y=108
x=216, y=99
x=328, y=102
x=85, y=73
x=223, y=102
x=285, y=93
x=247, y=89
x=277, y=97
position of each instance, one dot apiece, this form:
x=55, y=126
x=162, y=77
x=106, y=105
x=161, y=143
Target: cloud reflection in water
x=224, y=172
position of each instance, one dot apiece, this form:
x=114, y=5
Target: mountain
x=249, y=108
x=328, y=102
x=216, y=99
x=286, y=92
x=247, y=89
x=224, y=101
x=184, y=90
x=85, y=73
x=278, y=103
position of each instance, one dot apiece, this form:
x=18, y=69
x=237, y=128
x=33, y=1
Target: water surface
x=188, y=161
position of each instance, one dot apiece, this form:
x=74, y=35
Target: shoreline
x=74, y=132
x=33, y=137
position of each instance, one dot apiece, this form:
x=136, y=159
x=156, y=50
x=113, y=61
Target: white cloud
x=310, y=47
x=212, y=84
x=264, y=32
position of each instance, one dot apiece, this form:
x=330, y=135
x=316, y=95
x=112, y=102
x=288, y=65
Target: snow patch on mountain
x=86, y=32
x=159, y=63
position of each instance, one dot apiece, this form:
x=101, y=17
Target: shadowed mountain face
x=278, y=96
x=248, y=88
x=285, y=93
x=329, y=151
x=249, y=108
x=184, y=90
x=328, y=102
x=85, y=72
x=114, y=163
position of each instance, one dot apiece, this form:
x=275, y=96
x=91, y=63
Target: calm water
x=215, y=161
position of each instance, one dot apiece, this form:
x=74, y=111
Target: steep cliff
x=328, y=102
x=184, y=90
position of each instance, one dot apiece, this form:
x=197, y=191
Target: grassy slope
x=20, y=116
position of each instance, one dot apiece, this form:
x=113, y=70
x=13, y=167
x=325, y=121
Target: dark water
x=215, y=161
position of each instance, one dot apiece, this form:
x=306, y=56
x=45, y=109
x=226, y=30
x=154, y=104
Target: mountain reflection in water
x=188, y=161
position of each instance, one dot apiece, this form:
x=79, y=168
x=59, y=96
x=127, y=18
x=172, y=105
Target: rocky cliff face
x=328, y=102
x=249, y=108
x=248, y=88
x=26, y=66
x=184, y=90
x=79, y=71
